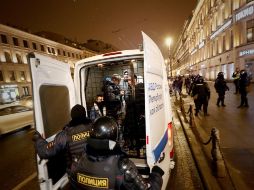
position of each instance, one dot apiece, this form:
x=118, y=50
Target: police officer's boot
x=218, y=101
x=222, y=103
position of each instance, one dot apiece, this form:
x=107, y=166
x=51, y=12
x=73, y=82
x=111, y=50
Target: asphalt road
x=17, y=160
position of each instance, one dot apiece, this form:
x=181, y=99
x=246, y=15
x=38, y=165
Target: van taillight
x=171, y=154
x=147, y=139
x=170, y=134
x=170, y=139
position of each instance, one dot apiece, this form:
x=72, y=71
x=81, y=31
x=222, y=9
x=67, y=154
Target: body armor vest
x=99, y=173
x=76, y=140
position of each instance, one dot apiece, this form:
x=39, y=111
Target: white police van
x=55, y=93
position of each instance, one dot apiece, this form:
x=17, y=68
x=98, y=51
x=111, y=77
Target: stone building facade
x=15, y=80
x=218, y=37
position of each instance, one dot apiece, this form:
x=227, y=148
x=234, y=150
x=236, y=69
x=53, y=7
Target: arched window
x=19, y=58
x=7, y=57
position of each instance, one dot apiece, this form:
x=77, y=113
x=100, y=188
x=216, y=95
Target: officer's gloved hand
x=158, y=170
x=36, y=136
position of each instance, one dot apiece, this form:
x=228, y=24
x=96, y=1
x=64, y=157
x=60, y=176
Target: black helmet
x=104, y=128
x=220, y=74
x=243, y=74
x=200, y=79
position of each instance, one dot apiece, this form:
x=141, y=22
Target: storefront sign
x=244, y=13
x=246, y=52
x=223, y=27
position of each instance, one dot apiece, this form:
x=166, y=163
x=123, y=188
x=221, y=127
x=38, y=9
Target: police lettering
x=92, y=181
x=80, y=136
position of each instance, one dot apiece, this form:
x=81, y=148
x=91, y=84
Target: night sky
x=118, y=22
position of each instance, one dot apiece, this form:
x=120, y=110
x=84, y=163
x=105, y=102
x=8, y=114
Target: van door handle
x=161, y=157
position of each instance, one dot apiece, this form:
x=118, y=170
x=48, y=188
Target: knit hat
x=78, y=111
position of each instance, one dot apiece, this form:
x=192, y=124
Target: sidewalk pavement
x=236, y=140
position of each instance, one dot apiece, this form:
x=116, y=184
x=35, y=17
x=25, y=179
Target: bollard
x=218, y=165
x=190, y=112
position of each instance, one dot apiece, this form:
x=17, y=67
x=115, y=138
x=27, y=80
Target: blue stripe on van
x=160, y=147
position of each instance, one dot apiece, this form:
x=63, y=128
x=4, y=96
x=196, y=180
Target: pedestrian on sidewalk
x=236, y=77
x=221, y=87
x=244, y=83
x=201, y=95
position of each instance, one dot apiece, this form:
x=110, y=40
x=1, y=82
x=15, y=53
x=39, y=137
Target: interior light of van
x=112, y=53
x=100, y=65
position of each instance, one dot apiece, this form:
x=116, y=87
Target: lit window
x=11, y=76
x=22, y=76
x=250, y=30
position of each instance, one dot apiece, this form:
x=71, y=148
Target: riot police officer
x=220, y=86
x=71, y=139
x=104, y=165
x=201, y=95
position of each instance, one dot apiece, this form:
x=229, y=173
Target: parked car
x=15, y=117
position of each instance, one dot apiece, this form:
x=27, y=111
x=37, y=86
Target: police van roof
x=109, y=55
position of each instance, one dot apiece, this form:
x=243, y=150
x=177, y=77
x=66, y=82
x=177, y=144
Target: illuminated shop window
x=250, y=30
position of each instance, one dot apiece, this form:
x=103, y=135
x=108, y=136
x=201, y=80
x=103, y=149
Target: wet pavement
x=236, y=129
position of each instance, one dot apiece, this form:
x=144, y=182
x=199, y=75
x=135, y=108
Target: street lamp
x=168, y=43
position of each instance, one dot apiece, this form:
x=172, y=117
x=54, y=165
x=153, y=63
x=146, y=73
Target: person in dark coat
x=71, y=139
x=201, y=95
x=243, y=85
x=221, y=87
x=105, y=166
x=236, y=77
x=113, y=97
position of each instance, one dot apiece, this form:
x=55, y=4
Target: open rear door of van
x=54, y=96
x=157, y=108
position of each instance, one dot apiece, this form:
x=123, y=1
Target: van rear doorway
x=131, y=112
